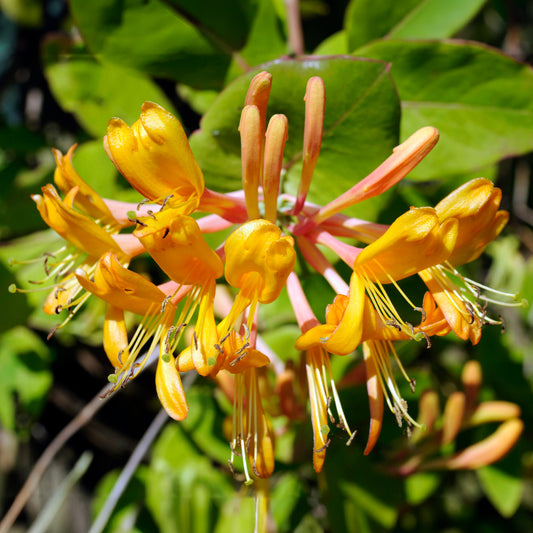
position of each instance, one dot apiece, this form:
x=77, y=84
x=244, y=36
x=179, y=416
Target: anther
x=58, y=309
x=141, y=203
x=246, y=332
x=241, y=356
x=119, y=357
x=140, y=223
x=195, y=339
x=502, y=323
x=225, y=337
x=164, y=303
x=49, y=336
x=254, y=468
x=324, y=447
x=150, y=213
x=412, y=384
x=167, y=231
x=165, y=201
x=218, y=348
x=393, y=324
x=422, y=312
x=231, y=467
x=350, y=440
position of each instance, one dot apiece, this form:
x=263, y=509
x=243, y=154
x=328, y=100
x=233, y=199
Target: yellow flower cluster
x=258, y=258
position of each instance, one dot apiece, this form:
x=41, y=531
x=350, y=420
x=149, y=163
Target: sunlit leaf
x=479, y=100
x=96, y=92
x=367, y=20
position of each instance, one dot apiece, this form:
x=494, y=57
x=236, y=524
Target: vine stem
x=294, y=23
x=127, y=472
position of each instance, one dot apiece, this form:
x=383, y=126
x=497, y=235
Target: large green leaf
x=360, y=129
x=96, y=92
x=367, y=20
x=478, y=98
x=192, y=42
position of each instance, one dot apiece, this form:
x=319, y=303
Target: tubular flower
x=155, y=157
x=474, y=206
x=87, y=241
x=413, y=242
x=177, y=245
x=258, y=262
x=86, y=199
x=267, y=233
x=124, y=290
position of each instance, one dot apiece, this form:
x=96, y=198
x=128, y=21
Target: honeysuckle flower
x=269, y=231
x=155, y=157
x=176, y=243
x=415, y=241
x=87, y=199
x=86, y=240
x=258, y=261
x=124, y=290
x=474, y=206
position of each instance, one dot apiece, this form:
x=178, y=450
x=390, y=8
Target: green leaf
x=504, y=489
x=194, y=43
x=24, y=375
x=285, y=496
x=184, y=490
x=130, y=513
x=367, y=20
x=419, y=487
x=335, y=44
x=479, y=99
x=360, y=130
x=96, y=92
x=238, y=514
x=204, y=424
x=359, y=498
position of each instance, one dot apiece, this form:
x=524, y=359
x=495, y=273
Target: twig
x=127, y=473
x=48, y=514
x=294, y=23
x=133, y=462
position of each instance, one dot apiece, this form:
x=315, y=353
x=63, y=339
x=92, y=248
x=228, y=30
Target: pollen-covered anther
x=276, y=137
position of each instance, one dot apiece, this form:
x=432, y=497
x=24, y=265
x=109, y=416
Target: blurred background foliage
x=66, y=68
